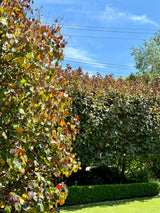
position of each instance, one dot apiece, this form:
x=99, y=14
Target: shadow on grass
x=105, y=203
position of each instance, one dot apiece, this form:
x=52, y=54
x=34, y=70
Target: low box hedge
x=88, y=194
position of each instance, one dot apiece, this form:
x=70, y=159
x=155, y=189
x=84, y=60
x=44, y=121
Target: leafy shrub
x=141, y=174
x=96, y=193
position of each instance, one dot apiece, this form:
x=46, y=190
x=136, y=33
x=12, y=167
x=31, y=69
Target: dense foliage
x=35, y=140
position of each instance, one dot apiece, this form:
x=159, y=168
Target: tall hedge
x=119, y=119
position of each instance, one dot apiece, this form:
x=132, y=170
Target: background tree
x=147, y=57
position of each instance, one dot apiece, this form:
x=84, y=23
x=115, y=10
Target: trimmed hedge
x=89, y=194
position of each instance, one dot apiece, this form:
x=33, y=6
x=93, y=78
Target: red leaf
x=56, y=161
x=57, y=41
x=61, y=37
x=76, y=117
x=21, y=151
x=59, y=186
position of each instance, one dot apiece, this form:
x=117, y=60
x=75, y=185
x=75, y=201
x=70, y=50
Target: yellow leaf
x=56, y=204
x=8, y=57
x=75, y=169
x=1, y=11
x=13, y=193
x=25, y=196
x=23, y=161
x=20, y=60
x=41, y=92
x=72, y=127
x=2, y=205
x=52, y=80
x=38, y=57
x=67, y=174
x=54, y=132
x=12, y=85
x=21, y=201
x=16, y=154
x=29, y=55
x=39, y=127
x=36, y=105
x=19, y=129
x=2, y=162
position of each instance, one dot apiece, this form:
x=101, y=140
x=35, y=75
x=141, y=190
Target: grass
x=137, y=205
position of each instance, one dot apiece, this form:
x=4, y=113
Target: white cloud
x=80, y=55
x=111, y=15
x=143, y=19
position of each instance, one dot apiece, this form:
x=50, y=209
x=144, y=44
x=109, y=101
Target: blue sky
x=101, y=33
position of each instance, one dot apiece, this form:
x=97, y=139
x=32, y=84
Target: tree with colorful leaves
x=35, y=138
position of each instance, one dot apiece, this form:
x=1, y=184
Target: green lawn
x=137, y=205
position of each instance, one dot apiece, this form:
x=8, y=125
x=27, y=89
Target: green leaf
x=21, y=111
x=45, y=160
x=23, y=81
x=41, y=207
x=17, y=163
x=4, y=135
x=26, y=207
x=17, y=206
x=2, y=71
x=18, y=84
x=8, y=209
x=1, y=99
x=29, y=55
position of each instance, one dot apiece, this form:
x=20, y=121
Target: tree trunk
x=123, y=169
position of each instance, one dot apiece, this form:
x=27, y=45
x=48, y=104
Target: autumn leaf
x=2, y=205
x=62, y=123
x=19, y=129
x=21, y=151
x=20, y=60
x=61, y=201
